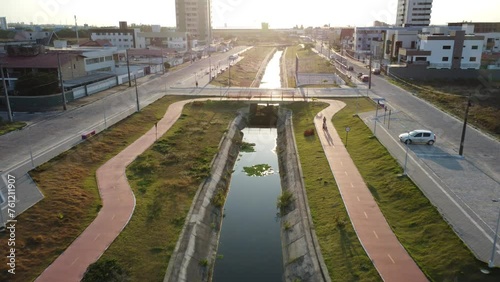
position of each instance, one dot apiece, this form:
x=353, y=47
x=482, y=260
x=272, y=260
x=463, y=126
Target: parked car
x=376, y=71
x=350, y=68
x=365, y=78
x=418, y=136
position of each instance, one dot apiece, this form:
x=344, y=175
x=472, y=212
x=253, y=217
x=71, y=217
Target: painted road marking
x=346, y=173
x=352, y=185
x=366, y=215
x=75, y=260
x=113, y=216
x=341, y=163
x=358, y=199
x=391, y=258
x=97, y=236
x=375, y=234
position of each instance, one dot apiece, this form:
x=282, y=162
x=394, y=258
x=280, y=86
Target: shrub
x=309, y=132
x=284, y=201
x=105, y=270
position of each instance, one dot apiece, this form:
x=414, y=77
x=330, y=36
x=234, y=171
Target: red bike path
x=389, y=257
x=118, y=202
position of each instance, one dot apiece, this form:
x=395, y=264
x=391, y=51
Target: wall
x=302, y=257
x=417, y=72
x=35, y=104
x=200, y=235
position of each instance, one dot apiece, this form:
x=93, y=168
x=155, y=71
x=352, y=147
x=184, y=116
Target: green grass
x=344, y=256
x=419, y=227
x=6, y=127
x=71, y=197
x=164, y=180
x=245, y=71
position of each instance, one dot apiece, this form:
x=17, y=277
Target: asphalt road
x=468, y=205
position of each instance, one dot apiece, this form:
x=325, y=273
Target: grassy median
x=344, y=256
x=6, y=127
x=71, y=200
x=164, y=180
x=418, y=225
x=244, y=72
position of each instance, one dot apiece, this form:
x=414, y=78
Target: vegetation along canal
x=250, y=244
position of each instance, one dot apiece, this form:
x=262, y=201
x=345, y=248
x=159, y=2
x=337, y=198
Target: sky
x=240, y=13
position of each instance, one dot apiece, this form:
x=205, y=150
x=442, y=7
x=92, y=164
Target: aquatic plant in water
x=258, y=170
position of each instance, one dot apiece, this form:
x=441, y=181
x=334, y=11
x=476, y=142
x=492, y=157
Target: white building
x=414, y=12
x=457, y=50
x=363, y=38
x=170, y=39
x=3, y=23
x=123, y=37
x=407, y=37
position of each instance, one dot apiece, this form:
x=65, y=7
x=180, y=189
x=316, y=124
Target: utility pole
x=76, y=29
x=209, y=66
x=128, y=69
x=62, y=83
x=162, y=62
x=370, y=72
x=136, y=93
x=462, y=140
x=229, y=73
x=9, y=112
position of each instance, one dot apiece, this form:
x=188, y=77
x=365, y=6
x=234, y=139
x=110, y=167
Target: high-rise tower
x=194, y=17
x=414, y=13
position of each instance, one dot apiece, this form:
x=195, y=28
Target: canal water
x=271, y=78
x=250, y=243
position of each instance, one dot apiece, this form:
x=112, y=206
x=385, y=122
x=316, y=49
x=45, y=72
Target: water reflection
x=271, y=78
x=250, y=244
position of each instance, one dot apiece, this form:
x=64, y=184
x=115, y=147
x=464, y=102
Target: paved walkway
x=389, y=257
x=118, y=203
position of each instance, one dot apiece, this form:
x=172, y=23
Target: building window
x=445, y=59
x=474, y=47
x=472, y=59
x=446, y=47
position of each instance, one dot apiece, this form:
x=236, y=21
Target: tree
x=166, y=65
x=105, y=271
x=37, y=84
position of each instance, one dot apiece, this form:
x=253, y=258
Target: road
x=465, y=185
x=463, y=188
x=48, y=135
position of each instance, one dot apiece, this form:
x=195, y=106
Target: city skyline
x=238, y=13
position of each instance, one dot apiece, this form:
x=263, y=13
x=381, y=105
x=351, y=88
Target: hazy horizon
x=239, y=13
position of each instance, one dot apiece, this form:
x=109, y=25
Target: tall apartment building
x=3, y=23
x=414, y=13
x=194, y=17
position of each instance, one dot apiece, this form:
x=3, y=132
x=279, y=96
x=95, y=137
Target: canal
x=271, y=78
x=250, y=243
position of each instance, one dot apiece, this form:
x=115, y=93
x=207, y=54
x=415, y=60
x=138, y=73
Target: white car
x=418, y=136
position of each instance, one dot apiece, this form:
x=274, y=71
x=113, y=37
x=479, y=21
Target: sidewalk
x=118, y=206
x=388, y=256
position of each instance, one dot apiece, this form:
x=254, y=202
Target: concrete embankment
x=302, y=257
x=195, y=252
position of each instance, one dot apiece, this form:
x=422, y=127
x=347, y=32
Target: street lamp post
x=9, y=112
x=406, y=156
x=462, y=140
x=491, y=262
